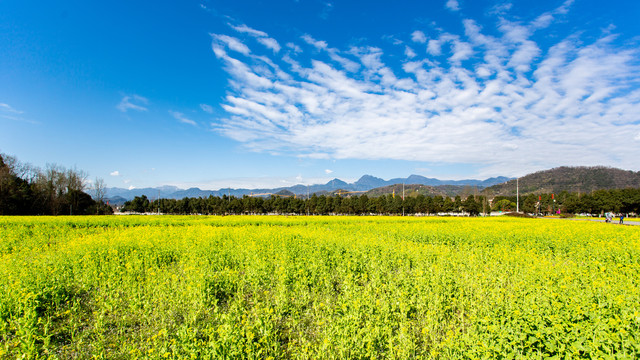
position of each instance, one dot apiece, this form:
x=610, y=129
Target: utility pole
x=402, y=199
x=517, y=195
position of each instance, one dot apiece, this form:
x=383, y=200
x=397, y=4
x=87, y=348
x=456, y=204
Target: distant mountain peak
x=416, y=177
x=368, y=177
x=365, y=183
x=336, y=182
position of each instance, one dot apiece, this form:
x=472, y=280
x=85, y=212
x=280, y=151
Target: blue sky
x=268, y=93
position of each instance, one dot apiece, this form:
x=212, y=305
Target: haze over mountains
x=365, y=183
x=566, y=178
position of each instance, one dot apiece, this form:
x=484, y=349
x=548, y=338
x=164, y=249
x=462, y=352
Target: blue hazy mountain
x=365, y=183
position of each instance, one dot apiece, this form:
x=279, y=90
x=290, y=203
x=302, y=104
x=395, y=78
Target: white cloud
x=514, y=101
x=333, y=53
x=270, y=43
x=115, y=173
x=543, y=21
x=261, y=36
x=409, y=52
x=564, y=8
x=418, y=36
x=483, y=71
x=461, y=51
x=248, y=30
x=434, y=47
x=320, y=45
x=501, y=9
x=183, y=119
x=328, y=171
x=295, y=48
x=231, y=42
x=206, y=108
x=452, y=5
x=132, y=102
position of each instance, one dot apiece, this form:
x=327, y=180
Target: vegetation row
x=28, y=190
x=600, y=201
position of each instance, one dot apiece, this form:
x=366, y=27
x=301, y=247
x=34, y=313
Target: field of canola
x=317, y=288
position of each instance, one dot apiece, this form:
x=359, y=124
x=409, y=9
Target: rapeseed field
x=264, y=287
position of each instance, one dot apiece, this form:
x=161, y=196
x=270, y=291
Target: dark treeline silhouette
x=315, y=205
x=627, y=201
x=27, y=190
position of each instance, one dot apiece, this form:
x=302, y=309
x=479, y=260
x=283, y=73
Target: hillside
x=571, y=179
x=415, y=190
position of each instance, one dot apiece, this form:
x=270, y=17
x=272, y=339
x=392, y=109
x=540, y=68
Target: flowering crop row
x=317, y=287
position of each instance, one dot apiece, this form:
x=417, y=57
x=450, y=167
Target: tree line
x=54, y=190
x=626, y=200
x=314, y=205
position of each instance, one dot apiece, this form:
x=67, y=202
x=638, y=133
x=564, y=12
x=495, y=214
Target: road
x=614, y=222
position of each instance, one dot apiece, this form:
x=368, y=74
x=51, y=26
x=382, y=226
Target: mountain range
x=365, y=183
x=566, y=178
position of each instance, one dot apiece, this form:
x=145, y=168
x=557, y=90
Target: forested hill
x=572, y=179
x=415, y=190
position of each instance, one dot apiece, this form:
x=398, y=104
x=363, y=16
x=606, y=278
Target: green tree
x=139, y=204
x=448, y=205
x=471, y=206
x=504, y=205
x=457, y=204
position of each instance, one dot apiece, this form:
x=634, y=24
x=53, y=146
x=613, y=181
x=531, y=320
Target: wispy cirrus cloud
x=182, y=118
x=261, y=36
x=10, y=113
x=333, y=53
x=498, y=98
x=206, y=108
x=133, y=102
x=232, y=43
x=326, y=10
x=7, y=109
